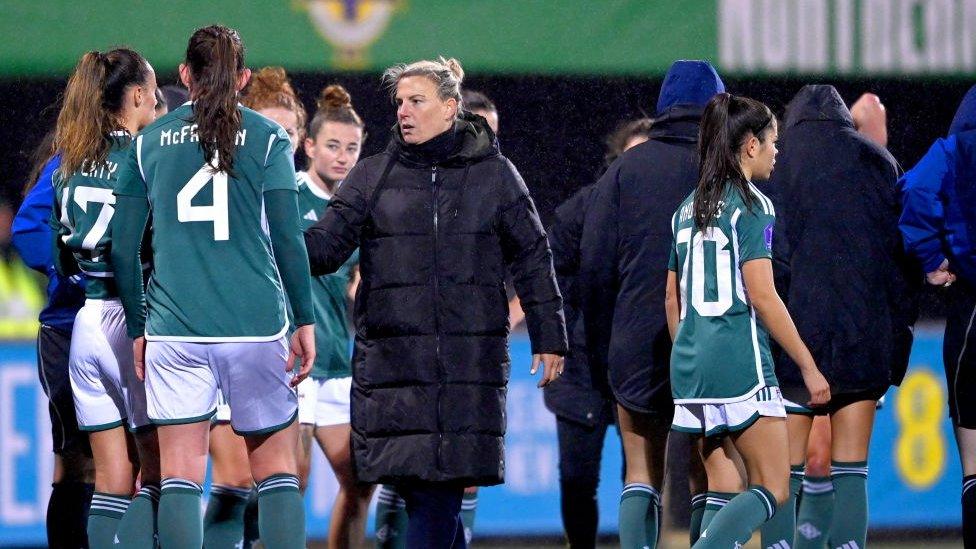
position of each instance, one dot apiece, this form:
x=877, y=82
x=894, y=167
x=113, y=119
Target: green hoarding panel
x=641, y=37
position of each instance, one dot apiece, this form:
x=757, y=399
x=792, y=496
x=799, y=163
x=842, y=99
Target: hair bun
x=454, y=66
x=268, y=80
x=333, y=97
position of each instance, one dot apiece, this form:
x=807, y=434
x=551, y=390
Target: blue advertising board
x=914, y=475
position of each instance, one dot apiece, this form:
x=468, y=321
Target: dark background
x=553, y=128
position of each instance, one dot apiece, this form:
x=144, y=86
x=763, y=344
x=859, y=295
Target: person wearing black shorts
x=939, y=199
x=67, y=512
x=844, y=277
x=582, y=400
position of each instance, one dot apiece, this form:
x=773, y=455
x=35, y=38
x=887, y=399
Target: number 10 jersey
x=214, y=278
x=721, y=350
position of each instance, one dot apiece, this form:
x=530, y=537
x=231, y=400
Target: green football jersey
x=332, y=355
x=214, y=277
x=82, y=216
x=721, y=351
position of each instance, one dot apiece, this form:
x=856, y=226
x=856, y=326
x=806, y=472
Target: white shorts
x=306, y=392
x=719, y=419
x=183, y=380
x=106, y=391
x=332, y=401
x=307, y=402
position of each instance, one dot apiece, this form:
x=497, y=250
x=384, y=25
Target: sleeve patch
x=768, y=236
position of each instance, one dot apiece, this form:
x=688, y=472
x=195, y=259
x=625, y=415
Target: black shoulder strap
x=374, y=194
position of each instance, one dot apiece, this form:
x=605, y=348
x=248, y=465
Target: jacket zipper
x=437, y=320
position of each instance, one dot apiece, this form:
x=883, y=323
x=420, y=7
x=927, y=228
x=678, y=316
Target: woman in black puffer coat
x=439, y=218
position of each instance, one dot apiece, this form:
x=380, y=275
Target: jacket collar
x=678, y=123
x=471, y=140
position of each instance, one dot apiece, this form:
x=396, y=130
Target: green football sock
x=697, y=510
x=735, y=523
x=639, y=505
x=391, y=519
x=815, y=513
x=138, y=527
x=778, y=532
x=180, y=523
x=849, y=527
x=104, y=516
x=714, y=501
x=223, y=522
x=469, y=505
x=251, y=531
x=281, y=512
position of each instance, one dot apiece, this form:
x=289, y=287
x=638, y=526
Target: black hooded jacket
x=837, y=250
x=581, y=394
x=437, y=225
x=624, y=251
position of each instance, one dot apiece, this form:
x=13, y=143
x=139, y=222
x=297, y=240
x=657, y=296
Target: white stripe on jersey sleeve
x=271, y=141
x=740, y=292
x=139, y=157
x=766, y=202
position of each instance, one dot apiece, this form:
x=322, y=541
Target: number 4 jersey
x=721, y=351
x=214, y=278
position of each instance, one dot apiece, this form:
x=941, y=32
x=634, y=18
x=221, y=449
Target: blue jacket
x=938, y=219
x=32, y=237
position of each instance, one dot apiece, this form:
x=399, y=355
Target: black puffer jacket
x=580, y=394
x=437, y=231
x=837, y=250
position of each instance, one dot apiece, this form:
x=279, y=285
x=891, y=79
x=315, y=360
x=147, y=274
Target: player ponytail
x=334, y=105
x=727, y=122
x=92, y=105
x=215, y=58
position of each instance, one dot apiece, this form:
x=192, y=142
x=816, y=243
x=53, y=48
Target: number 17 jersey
x=721, y=350
x=214, y=278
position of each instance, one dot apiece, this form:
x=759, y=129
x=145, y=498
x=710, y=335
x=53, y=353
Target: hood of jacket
x=965, y=118
x=680, y=123
x=817, y=102
x=471, y=141
x=688, y=83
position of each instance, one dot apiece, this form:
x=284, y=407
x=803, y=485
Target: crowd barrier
x=914, y=478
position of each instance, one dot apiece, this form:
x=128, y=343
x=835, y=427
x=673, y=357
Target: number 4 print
x=216, y=213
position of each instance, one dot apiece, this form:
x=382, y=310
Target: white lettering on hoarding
x=17, y=450
x=847, y=36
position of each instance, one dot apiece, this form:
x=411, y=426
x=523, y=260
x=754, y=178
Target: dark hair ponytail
x=215, y=58
x=726, y=123
x=92, y=103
